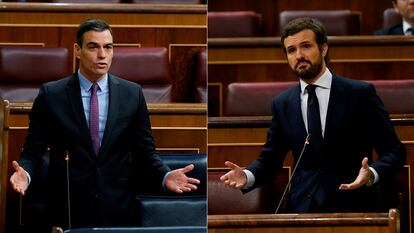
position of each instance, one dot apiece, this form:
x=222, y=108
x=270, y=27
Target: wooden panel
x=177, y=128
x=263, y=60
x=159, y=25
x=320, y=223
x=371, y=11
x=238, y=139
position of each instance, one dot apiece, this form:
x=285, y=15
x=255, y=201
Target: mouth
x=302, y=64
x=101, y=65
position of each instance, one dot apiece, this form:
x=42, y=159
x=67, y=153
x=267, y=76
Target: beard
x=310, y=72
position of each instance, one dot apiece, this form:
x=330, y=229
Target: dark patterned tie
x=94, y=119
x=314, y=119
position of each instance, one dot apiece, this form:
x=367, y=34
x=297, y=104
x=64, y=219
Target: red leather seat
x=24, y=69
x=390, y=18
x=397, y=95
x=254, y=99
x=233, y=24
x=148, y=67
x=226, y=200
x=336, y=22
x=201, y=77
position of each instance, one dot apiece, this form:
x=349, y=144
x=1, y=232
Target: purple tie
x=94, y=119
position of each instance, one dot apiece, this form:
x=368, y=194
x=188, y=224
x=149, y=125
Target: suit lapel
x=75, y=99
x=295, y=114
x=113, y=110
x=336, y=109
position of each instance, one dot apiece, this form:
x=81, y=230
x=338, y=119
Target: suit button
x=310, y=195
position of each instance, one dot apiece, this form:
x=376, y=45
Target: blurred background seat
x=336, y=22
x=148, y=67
x=391, y=18
x=201, y=77
x=23, y=69
x=233, y=24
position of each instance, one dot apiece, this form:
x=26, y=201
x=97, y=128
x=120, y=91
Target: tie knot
x=94, y=87
x=311, y=88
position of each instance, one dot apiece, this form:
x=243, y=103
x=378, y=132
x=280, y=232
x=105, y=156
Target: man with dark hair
x=406, y=9
x=340, y=120
x=99, y=123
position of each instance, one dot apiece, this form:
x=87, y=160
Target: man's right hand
x=235, y=178
x=19, y=180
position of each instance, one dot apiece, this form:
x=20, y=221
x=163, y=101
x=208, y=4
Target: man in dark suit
x=344, y=120
x=406, y=9
x=94, y=124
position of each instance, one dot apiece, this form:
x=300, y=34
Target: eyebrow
x=95, y=43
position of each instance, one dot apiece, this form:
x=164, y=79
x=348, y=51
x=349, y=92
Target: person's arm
x=143, y=144
x=34, y=147
x=392, y=154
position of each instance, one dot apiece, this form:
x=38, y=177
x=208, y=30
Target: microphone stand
x=68, y=188
x=293, y=172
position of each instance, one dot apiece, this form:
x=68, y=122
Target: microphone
x=68, y=187
x=293, y=172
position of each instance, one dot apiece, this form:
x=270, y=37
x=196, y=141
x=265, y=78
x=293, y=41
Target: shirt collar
x=406, y=26
x=325, y=81
x=86, y=84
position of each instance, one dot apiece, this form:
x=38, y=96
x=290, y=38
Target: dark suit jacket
x=100, y=187
x=356, y=123
x=394, y=30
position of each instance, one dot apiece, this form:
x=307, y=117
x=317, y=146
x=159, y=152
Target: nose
x=299, y=54
x=102, y=53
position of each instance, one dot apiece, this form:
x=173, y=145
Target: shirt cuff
x=250, y=179
x=29, y=179
x=376, y=176
x=163, y=180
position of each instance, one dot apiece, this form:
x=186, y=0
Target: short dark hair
x=97, y=25
x=300, y=24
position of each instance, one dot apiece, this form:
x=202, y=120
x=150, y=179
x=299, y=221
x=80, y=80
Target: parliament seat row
x=254, y=99
x=24, y=69
x=249, y=23
x=117, y=1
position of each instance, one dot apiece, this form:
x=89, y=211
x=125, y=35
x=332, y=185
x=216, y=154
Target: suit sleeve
x=273, y=153
x=143, y=144
x=392, y=153
x=37, y=139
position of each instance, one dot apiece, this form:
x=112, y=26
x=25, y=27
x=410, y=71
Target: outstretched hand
x=362, y=178
x=19, y=180
x=178, y=182
x=235, y=178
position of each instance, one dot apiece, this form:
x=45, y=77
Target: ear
x=324, y=49
x=77, y=51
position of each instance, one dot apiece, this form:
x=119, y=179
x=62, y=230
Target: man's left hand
x=177, y=181
x=363, y=177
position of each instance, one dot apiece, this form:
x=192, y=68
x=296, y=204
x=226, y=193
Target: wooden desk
x=297, y=223
x=240, y=140
x=263, y=60
x=177, y=128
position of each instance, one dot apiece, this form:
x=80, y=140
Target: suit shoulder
x=287, y=94
x=124, y=83
x=352, y=84
x=394, y=30
x=57, y=85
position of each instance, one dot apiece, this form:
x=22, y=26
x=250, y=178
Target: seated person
x=406, y=9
